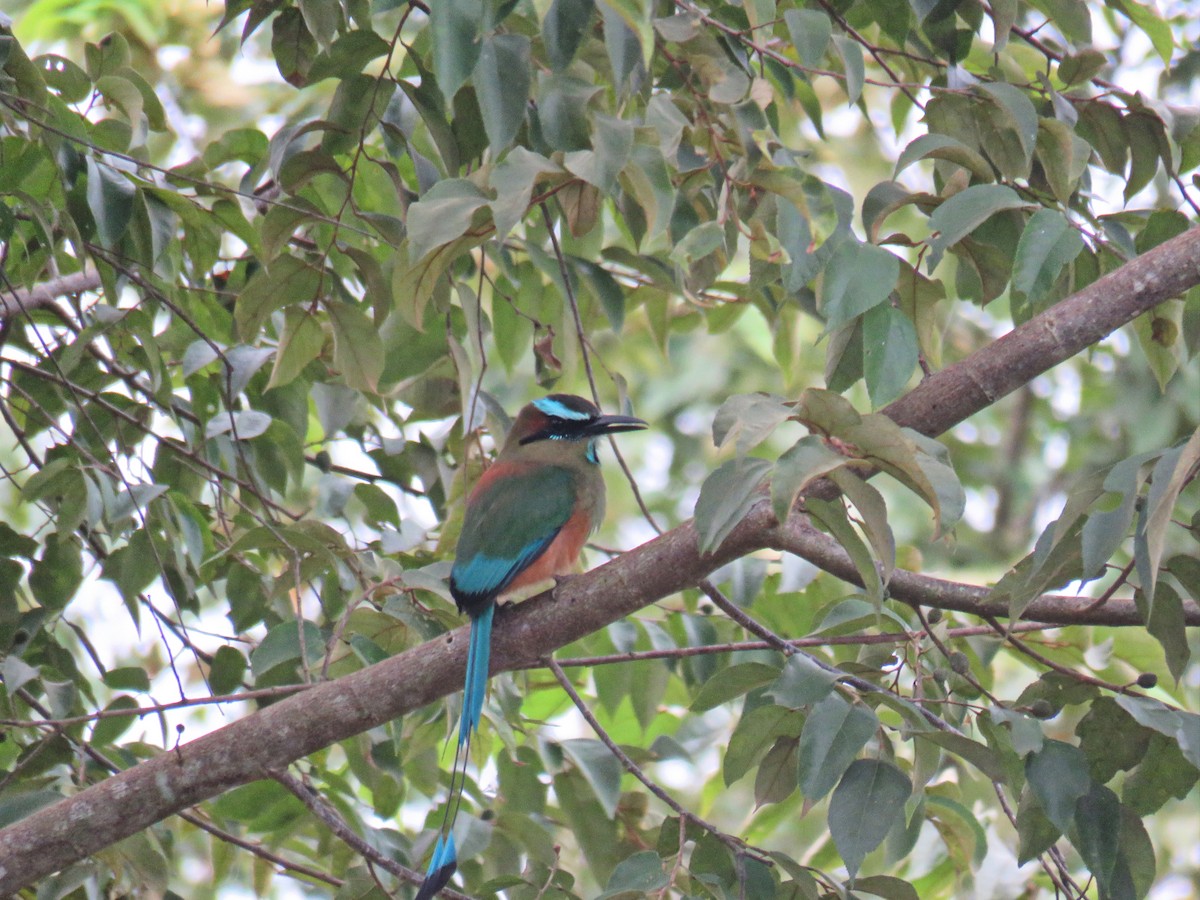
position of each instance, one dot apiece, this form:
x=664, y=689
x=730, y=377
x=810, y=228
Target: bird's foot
x=561, y=580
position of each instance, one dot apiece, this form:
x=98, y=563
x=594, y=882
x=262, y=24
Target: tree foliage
x=271, y=276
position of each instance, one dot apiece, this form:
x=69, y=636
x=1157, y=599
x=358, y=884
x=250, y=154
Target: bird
x=526, y=521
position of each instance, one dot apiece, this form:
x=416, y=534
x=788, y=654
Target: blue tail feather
x=479, y=655
x=441, y=867
x=479, y=652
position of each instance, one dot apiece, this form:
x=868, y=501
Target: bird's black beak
x=614, y=424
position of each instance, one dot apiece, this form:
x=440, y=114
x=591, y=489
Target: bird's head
x=564, y=425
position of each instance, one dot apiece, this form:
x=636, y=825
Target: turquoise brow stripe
x=560, y=410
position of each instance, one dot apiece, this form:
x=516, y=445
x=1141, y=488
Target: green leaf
x=14, y=544
x=1163, y=773
x=748, y=419
x=502, y=86
x=357, y=347
x=1167, y=624
x=725, y=498
x=834, y=733
x=110, y=728
x=890, y=353
x=634, y=42
x=564, y=29
x=134, y=567
x=243, y=425
x=806, y=460
x=562, y=102
x=648, y=178
x=754, y=735
x=732, y=682
x=289, y=280
x=126, y=678
x=1064, y=156
x=1035, y=833
x=887, y=886
x=110, y=199
x=833, y=517
x=600, y=768
x=359, y=103
x=348, y=54
x=776, y=778
x=595, y=832
x=960, y=215
x=64, y=77
x=292, y=46
x=802, y=683
x=456, y=28
x=1136, y=860
x=947, y=147
x=1047, y=245
x=513, y=181
x=1098, y=824
x=302, y=341
x=857, y=277
x=810, y=30
x=852, y=65
x=607, y=290
x=866, y=804
x=1014, y=115
x=1111, y=739
x=1171, y=473
x=57, y=575
x=442, y=214
x=283, y=645
x=1058, y=774
x=228, y=668
x=978, y=755
x=642, y=873
x=1152, y=25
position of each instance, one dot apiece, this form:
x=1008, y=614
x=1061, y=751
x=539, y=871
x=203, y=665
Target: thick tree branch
x=960, y=390
x=249, y=749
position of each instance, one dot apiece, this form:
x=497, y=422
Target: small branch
x=316, y=804
x=851, y=640
x=736, y=846
x=797, y=536
x=1043, y=660
x=43, y=296
x=272, y=693
x=287, y=865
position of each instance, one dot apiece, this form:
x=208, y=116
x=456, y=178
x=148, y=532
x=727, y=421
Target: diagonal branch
x=249, y=749
x=42, y=296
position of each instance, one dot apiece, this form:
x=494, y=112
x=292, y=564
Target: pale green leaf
x=442, y=214
x=958, y=216
x=502, y=83
x=808, y=459
x=725, y=497
x=810, y=30
x=599, y=767
x=456, y=26
x=564, y=29
x=357, y=347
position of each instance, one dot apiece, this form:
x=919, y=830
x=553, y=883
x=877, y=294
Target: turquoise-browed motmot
x=526, y=521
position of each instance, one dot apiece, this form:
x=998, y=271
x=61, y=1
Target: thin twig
x=319, y=807
x=736, y=845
